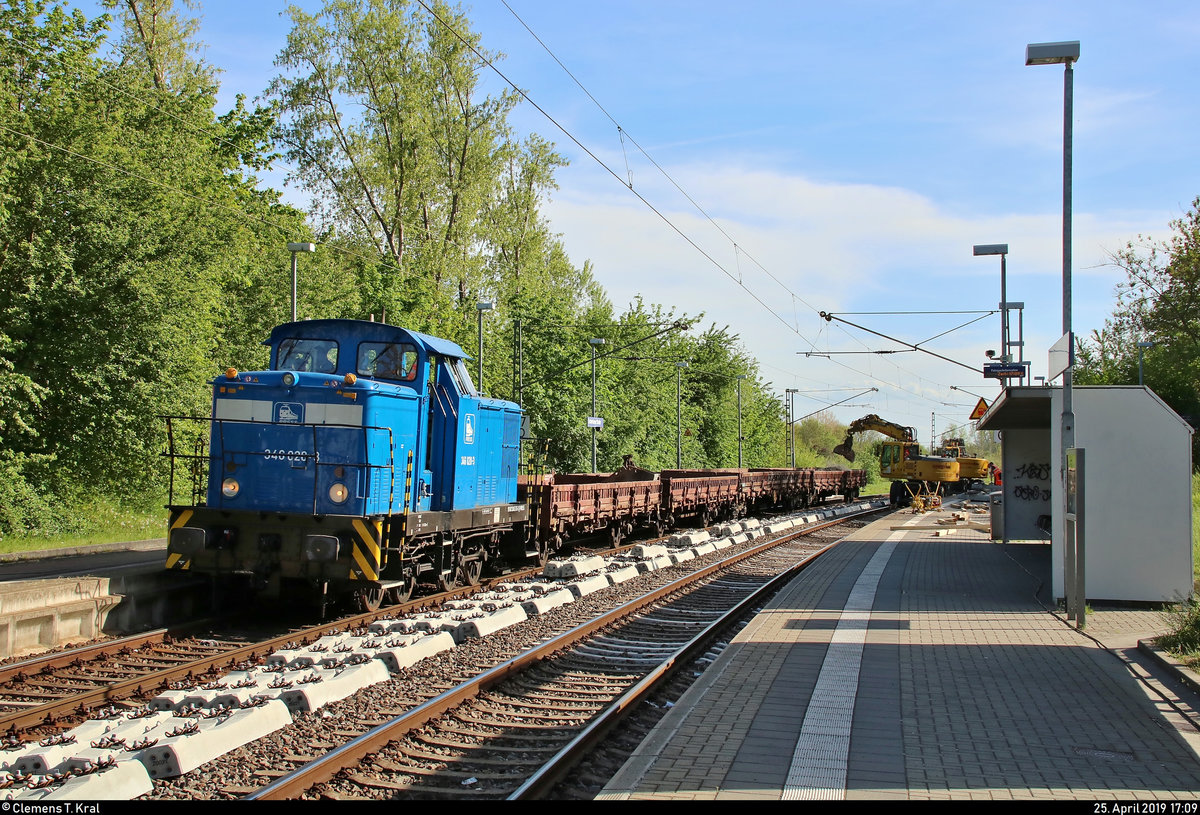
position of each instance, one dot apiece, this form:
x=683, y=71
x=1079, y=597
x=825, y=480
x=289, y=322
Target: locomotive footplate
x=423, y=523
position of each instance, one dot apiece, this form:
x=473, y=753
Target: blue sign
x=1004, y=370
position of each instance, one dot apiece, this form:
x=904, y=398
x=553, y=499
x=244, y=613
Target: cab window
x=299, y=354
x=388, y=360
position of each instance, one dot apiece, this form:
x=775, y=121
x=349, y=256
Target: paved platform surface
x=97, y=559
x=909, y=666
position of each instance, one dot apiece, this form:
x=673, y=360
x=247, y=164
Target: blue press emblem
x=289, y=413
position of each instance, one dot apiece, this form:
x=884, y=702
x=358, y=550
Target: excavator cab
x=893, y=458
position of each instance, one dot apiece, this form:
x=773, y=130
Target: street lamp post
x=480, y=307
x=791, y=428
x=739, y=400
x=595, y=342
x=1000, y=249
x=1065, y=53
x=1142, y=346
x=294, y=248
x=679, y=366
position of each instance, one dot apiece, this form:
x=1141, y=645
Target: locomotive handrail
x=173, y=454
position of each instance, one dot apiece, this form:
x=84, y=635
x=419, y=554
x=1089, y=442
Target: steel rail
x=62, y=659
x=78, y=704
x=543, y=781
x=328, y=766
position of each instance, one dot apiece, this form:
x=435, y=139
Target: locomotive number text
x=285, y=455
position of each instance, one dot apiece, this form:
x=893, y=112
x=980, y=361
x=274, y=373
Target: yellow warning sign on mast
x=980, y=409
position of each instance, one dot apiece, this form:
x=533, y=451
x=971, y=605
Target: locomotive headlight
x=289, y=379
x=338, y=493
x=230, y=487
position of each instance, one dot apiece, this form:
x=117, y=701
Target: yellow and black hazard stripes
x=178, y=519
x=364, y=564
x=408, y=475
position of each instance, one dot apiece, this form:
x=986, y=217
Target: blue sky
x=854, y=152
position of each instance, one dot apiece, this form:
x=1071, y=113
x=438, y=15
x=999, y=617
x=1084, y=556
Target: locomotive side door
x=436, y=419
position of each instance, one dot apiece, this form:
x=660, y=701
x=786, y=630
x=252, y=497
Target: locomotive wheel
x=469, y=572
x=368, y=599
x=449, y=581
x=401, y=593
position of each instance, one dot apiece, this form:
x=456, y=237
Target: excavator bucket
x=845, y=450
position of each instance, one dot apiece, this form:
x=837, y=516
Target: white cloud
x=844, y=248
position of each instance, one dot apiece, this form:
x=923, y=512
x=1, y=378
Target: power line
x=623, y=134
x=607, y=168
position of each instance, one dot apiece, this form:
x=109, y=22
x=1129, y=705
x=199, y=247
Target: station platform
x=911, y=664
x=55, y=597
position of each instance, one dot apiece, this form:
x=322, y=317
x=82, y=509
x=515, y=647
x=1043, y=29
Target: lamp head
x=990, y=249
x=1051, y=53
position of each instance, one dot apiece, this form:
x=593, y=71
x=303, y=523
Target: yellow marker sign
x=980, y=409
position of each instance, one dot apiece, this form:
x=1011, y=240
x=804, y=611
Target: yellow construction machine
x=900, y=461
x=972, y=470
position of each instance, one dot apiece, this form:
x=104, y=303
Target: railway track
x=517, y=729
x=45, y=694
x=423, y=691
x=39, y=692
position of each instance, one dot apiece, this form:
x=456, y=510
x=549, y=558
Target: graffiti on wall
x=1031, y=482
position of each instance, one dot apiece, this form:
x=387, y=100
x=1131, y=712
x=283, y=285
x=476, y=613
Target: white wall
x=1027, y=477
x=1138, y=521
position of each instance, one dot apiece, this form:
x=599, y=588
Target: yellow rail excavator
x=972, y=470
x=915, y=478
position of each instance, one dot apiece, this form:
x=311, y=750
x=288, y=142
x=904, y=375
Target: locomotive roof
x=362, y=330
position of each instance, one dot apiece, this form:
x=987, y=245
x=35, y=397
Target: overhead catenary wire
x=738, y=250
x=674, y=227
x=624, y=134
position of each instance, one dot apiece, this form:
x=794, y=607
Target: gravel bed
x=309, y=735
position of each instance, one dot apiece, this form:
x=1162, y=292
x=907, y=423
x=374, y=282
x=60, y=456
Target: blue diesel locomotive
x=362, y=461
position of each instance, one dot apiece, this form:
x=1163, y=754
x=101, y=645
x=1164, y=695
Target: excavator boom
x=872, y=422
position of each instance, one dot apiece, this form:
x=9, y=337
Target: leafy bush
x=1184, y=638
x=23, y=509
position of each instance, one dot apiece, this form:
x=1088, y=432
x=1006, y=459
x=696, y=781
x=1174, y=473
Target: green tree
x=385, y=123
x=126, y=218
x=1158, y=302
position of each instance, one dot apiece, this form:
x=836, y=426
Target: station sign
x=1062, y=356
x=1004, y=370
x=595, y=422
